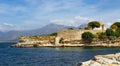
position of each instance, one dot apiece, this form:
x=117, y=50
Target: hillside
x=50, y=28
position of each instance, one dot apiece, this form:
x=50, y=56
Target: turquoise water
x=48, y=56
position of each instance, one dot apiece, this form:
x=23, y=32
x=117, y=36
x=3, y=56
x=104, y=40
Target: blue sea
x=48, y=56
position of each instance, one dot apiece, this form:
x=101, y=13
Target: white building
x=102, y=27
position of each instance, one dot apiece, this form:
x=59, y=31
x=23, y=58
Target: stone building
x=63, y=38
x=102, y=27
x=74, y=36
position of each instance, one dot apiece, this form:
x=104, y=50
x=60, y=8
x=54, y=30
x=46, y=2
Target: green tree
x=102, y=36
x=117, y=24
x=70, y=28
x=114, y=27
x=117, y=32
x=53, y=34
x=94, y=24
x=110, y=32
x=86, y=28
x=87, y=37
x=80, y=28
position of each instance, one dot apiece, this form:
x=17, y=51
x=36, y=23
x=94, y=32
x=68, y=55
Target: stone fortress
x=63, y=38
x=72, y=36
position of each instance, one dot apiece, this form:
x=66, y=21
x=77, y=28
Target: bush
x=87, y=37
x=117, y=32
x=86, y=28
x=113, y=27
x=110, y=32
x=70, y=28
x=117, y=24
x=102, y=36
x=53, y=34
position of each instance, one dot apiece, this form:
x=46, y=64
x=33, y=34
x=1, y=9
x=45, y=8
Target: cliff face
x=103, y=60
x=35, y=41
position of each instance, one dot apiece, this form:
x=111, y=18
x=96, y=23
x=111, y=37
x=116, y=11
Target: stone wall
x=64, y=37
x=71, y=35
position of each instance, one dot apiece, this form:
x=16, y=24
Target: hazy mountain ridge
x=50, y=28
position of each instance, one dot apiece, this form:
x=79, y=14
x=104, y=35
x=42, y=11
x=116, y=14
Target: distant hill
x=50, y=28
x=82, y=25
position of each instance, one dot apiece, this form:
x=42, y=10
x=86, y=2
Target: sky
x=33, y=14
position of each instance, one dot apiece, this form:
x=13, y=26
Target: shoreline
x=69, y=45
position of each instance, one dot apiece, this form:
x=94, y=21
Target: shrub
x=87, y=37
x=117, y=32
x=110, y=32
x=70, y=28
x=53, y=34
x=102, y=36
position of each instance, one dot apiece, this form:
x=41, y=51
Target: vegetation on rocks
x=70, y=28
x=111, y=34
x=117, y=32
x=53, y=34
x=117, y=24
x=87, y=37
x=102, y=36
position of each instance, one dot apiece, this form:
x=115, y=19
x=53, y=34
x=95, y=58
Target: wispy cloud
x=76, y=21
x=6, y=27
x=31, y=14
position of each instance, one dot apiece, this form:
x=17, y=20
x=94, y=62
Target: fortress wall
x=74, y=34
x=67, y=36
x=70, y=34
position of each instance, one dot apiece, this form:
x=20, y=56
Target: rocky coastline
x=22, y=45
x=64, y=38
x=103, y=60
x=52, y=41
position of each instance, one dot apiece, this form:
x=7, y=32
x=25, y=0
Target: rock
x=78, y=64
x=95, y=64
x=103, y=60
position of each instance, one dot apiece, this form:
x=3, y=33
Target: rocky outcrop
x=64, y=38
x=103, y=60
x=35, y=41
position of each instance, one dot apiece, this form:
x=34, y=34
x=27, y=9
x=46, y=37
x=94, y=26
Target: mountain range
x=48, y=29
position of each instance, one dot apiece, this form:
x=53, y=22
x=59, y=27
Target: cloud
x=31, y=14
x=63, y=22
x=7, y=24
x=6, y=27
x=76, y=21
x=83, y=18
x=118, y=20
x=40, y=11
